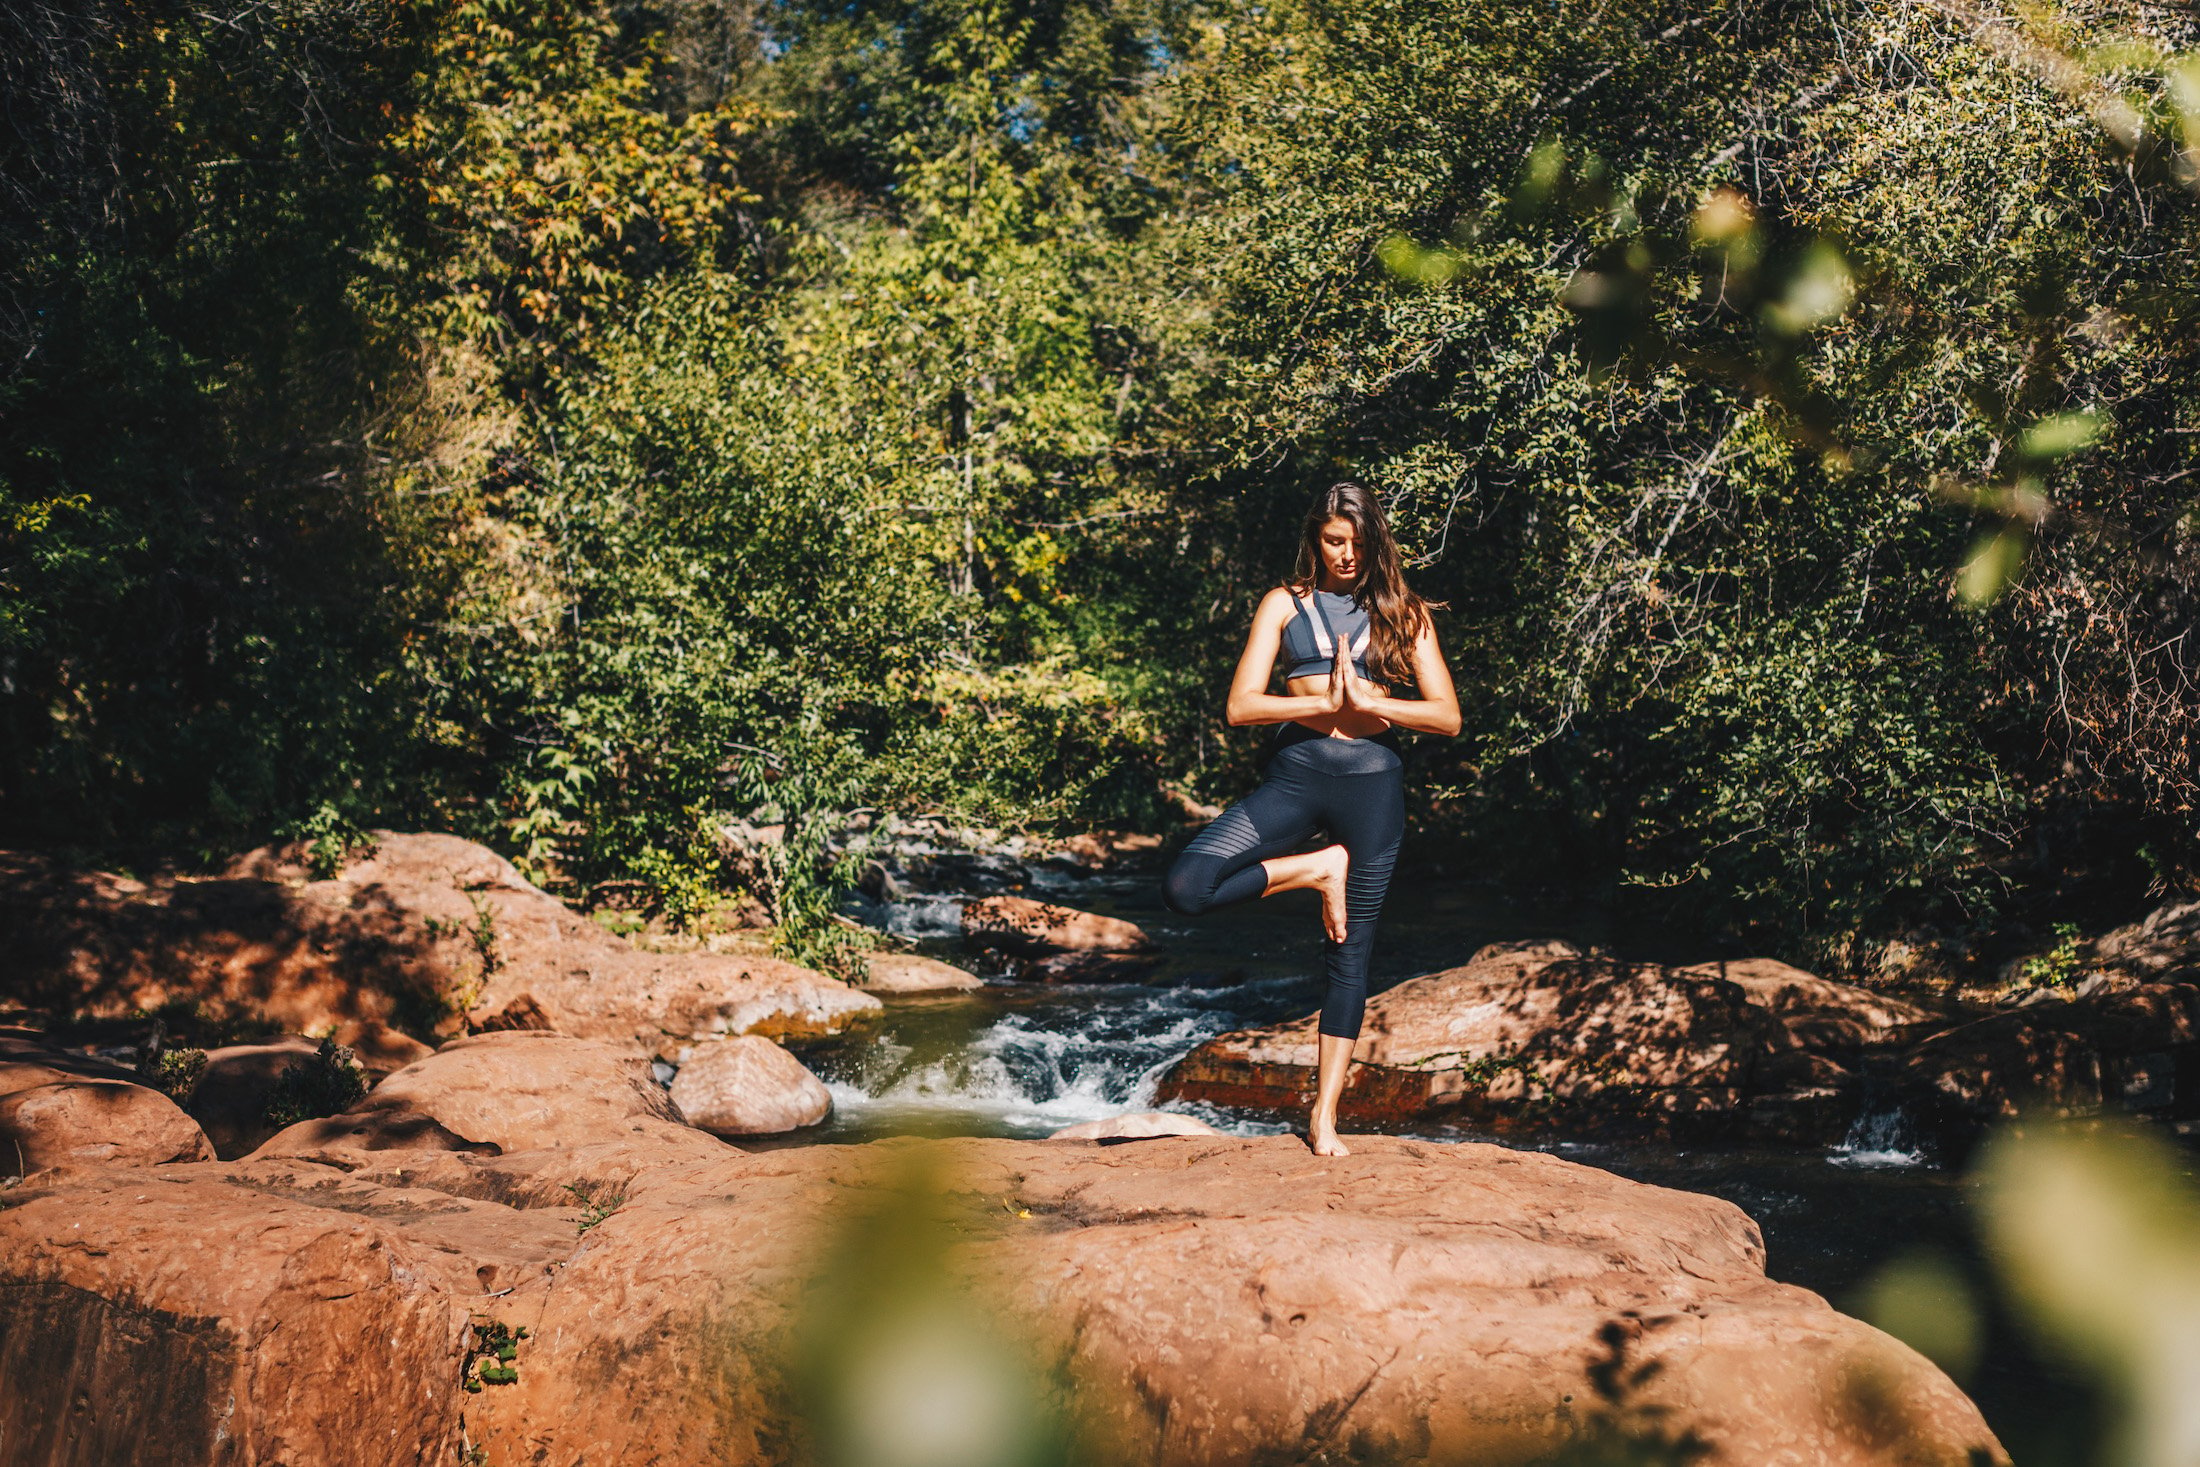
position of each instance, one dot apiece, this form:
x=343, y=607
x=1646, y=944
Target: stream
x=1022, y=1060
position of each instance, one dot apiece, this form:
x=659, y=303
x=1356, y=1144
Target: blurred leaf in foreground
x=2097, y=1235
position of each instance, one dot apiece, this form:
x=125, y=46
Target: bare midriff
x=1342, y=724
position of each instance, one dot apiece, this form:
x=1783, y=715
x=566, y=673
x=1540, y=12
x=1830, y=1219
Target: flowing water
x=1022, y=1060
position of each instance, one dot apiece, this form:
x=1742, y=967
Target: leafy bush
x=321, y=1084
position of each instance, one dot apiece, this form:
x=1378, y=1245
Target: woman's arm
x=1250, y=701
x=1436, y=711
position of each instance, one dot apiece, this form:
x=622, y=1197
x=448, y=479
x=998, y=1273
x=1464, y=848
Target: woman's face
x=1339, y=543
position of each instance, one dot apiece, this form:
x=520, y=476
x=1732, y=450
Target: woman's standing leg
x=1367, y=812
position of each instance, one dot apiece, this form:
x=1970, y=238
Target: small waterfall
x=1082, y=1056
x=1881, y=1135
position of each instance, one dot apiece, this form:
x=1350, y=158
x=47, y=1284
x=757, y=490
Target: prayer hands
x=1347, y=692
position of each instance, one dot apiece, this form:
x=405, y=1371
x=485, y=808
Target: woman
x=1349, y=631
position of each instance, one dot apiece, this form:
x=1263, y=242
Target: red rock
x=1820, y=1013
x=526, y=1089
x=58, y=1108
x=29, y=1058
x=1137, y=1126
x=188, y=1315
x=1541, y=1034
x=1515, y=1034
x=914, y=973
x=78, y=1123
x=2122, y=1046
x=1212, y=1299
x=522, y=1011
x=417, y=934
x=748, y=1087
x=386, y=1127
x=1030, y=928
x=2164, y=946
x=1094, y=850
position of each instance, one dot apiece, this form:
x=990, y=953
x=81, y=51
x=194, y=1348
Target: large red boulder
x=74, y=1123
x=1194, y=1300
x=523, y=1090
x=2120, y=1046
x=1543, y=1034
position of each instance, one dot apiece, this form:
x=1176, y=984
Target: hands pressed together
x=1348, y=692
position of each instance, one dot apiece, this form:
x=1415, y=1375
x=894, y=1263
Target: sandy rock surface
x=915, y=973
x=1024, y=927
x=1542, y=1033
x=1217, y=1300
x=749, y=1087
x=397, y=946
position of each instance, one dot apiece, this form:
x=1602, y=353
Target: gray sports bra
x=1309, y=638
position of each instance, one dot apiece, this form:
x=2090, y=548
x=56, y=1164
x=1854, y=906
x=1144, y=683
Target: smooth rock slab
x=749, y=1087
x=1213, y=1300
x=915, y=973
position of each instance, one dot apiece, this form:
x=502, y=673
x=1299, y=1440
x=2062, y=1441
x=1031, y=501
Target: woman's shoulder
x=1280, y=598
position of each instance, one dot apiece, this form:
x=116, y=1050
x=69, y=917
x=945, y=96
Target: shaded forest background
x=575, y=424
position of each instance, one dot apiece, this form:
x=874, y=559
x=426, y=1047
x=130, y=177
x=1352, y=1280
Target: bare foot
x=1321, y=1136
x=1330, y=883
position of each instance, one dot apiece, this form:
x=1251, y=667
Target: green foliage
x=587, y=426
x=490, y=1340
x=595, y=1211
x=332, y=840
x=322, y=1084
x=2058, y=966
x=176, y=1071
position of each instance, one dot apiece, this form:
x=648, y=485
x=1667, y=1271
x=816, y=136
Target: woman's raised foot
x=1330, y=883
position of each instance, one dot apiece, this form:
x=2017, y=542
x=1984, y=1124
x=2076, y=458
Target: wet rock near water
x=399, y=945
x=1024, y=928
x=749, y=1087
x=1201, y=1299
x=1089, y=967
x=1543, y=1035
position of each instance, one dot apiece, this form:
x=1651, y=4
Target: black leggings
x=1354, y=788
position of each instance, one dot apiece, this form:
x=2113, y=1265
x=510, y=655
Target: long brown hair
x=1395, y=612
